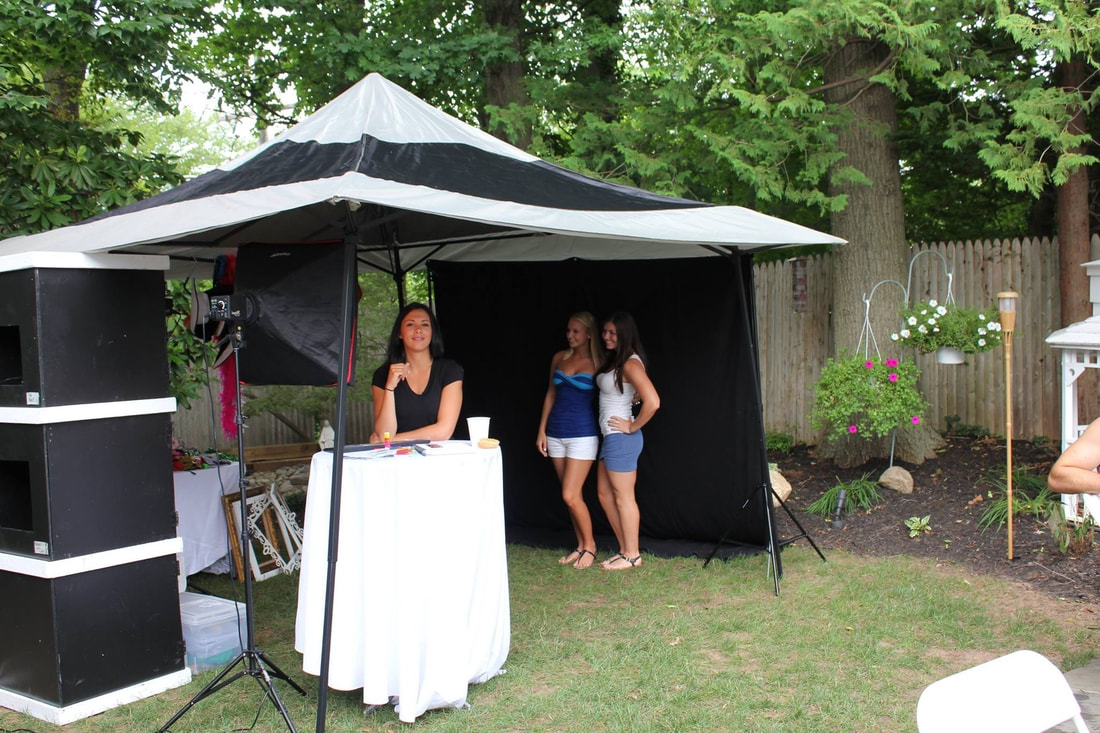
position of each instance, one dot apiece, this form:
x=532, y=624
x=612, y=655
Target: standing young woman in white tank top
x=622, y=378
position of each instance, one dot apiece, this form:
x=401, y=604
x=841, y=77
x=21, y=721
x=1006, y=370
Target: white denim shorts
x=583, y=449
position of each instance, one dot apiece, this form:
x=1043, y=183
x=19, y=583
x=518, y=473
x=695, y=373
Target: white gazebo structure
x=1080, y=345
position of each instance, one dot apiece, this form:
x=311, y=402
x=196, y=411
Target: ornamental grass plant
x=928, y=326
x=867, y=397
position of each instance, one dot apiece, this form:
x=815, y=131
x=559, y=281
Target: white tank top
x=612, y=401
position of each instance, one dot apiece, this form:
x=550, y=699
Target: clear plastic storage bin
x=213, y=629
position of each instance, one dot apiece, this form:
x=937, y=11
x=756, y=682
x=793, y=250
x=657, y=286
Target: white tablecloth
x=202, y=518
x=421, y=597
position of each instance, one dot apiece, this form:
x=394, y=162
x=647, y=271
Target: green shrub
x=779, y=442
x=1030, y=497
x=955, y=426
x=1073, y=538
x=866, y=397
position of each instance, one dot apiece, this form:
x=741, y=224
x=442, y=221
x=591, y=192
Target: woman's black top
x=414, y=411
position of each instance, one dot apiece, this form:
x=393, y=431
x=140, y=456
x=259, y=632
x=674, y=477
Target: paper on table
x=448, y=447
x=370, y=455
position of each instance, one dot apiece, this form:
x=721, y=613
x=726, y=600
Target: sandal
x=634, y=562
x=612, y=559
x=572, y=557
x=583, y=553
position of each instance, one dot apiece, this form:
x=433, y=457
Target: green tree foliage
x=196, y=142
x=438, y=49
x=187, y=354
x=59, y=171
x=715, y=100
x=728, y=97
x=54, y=59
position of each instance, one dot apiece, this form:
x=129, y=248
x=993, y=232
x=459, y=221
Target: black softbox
x=295, y=291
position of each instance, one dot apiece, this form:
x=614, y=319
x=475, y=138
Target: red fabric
x=227, y=374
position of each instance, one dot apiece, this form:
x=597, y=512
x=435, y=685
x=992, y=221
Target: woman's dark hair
x=627, y=342
x=395, y=349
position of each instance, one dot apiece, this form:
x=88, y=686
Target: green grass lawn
x=672, y=646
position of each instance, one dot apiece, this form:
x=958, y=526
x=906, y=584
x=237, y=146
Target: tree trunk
x=504, y=80
x=1073, y=241
x=65, y=82
x=601, y=76
x=873, y=222
x=64, y=87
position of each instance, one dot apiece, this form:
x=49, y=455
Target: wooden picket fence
x=198, y=428
x=795, y=341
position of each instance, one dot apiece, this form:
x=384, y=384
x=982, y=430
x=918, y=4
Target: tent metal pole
x=748, y=312
x=775, y=545
x=339, y=441
x=399, y=281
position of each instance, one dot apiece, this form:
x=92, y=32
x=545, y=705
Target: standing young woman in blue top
x=417, y=392
x=568, y=433
x=622, y=380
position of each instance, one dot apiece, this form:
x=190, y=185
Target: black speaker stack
x=89, y=617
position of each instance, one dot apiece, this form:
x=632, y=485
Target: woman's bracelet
x=389, y=390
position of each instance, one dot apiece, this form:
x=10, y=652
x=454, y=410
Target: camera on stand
x=232, y=308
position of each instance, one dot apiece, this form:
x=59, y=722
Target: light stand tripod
x=251, y=659
x=766, y=491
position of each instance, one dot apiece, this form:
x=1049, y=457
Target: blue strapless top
x=573, y=414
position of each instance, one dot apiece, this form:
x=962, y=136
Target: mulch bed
x=951, y=490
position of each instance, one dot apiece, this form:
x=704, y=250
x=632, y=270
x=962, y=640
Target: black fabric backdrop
x=701, y=475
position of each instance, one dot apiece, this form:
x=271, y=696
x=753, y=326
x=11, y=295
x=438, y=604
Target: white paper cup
x=478, y=427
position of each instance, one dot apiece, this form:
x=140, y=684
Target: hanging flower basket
x=949, y=355
x=930, y=326
x=866, y=397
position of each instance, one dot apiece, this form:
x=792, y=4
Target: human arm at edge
x=547, y=405
x=1074, y=471
x=635, y=373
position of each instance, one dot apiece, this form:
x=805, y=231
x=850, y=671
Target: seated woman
x=417, y=392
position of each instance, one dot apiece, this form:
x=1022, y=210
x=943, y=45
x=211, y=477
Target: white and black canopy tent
x=416, y=184
x=406, y=186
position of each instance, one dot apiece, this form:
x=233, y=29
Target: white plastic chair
x=1021, y=692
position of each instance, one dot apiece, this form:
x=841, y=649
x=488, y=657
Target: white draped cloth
x=421, y=598
x=201, y=515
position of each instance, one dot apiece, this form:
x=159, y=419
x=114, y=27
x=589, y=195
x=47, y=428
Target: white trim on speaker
x=88, y=411
x=80, y=261
x=24, y=565
x=94, y=706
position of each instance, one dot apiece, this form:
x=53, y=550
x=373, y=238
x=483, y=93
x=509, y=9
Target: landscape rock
x=780, y=485
x=898, y=479
x=289, y=480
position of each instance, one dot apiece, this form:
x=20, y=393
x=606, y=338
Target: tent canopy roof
x=412, y=183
